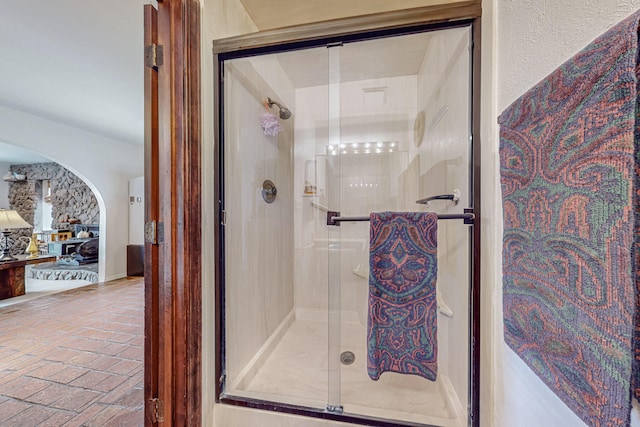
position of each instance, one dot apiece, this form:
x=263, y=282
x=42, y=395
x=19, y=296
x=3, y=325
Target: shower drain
x=347, y=357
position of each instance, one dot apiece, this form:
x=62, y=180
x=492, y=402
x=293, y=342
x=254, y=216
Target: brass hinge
x=157, y=411
x=153, y=56
x=153, y=232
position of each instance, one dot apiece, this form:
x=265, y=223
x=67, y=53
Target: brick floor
x=74, y=358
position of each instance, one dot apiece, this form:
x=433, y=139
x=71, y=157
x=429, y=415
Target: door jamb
x=173, y=324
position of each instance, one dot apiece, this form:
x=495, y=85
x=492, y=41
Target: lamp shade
x=10, y=219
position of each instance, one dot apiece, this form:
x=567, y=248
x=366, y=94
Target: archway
x=65, y=210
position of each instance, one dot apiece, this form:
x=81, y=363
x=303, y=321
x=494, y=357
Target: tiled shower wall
x=258, y=248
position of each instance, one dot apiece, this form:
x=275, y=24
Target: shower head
x=285, y=113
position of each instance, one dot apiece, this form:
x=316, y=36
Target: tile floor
x=74, y=358
x=36, y=288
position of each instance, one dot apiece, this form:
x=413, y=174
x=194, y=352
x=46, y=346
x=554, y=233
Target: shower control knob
x=347, y=357
x=269, y=191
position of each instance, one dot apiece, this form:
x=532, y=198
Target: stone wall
x=71, y=198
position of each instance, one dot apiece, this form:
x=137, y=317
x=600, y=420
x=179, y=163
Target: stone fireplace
x=71, y=199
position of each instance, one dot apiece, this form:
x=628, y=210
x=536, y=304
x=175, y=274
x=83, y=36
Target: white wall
x=490, y=401
x=4, y=186
x=533, y=39
x=105, y=164
x=136, y=211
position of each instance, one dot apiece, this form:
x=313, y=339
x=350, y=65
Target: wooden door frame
x=151, y=251
x=173, y=278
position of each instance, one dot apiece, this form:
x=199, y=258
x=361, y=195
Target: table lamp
x=9, y=220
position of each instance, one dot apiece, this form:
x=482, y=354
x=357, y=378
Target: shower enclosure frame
x=432, y=18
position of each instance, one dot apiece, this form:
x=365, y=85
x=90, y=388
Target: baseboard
x=115, y=277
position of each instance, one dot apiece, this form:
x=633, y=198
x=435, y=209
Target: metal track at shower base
x=336, y=409
x=324, y=414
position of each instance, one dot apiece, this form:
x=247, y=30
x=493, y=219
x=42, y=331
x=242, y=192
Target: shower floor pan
x=292, y=368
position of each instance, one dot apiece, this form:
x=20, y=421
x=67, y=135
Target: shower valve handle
x=269, y=191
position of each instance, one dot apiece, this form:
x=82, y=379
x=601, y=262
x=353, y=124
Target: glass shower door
x=275, y=341
x=334, y=284
x=399, y=131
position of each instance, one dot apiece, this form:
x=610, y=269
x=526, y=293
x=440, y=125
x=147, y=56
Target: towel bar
x=334, y=218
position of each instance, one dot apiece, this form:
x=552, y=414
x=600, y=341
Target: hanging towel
x=402, y=323
x=569, y=175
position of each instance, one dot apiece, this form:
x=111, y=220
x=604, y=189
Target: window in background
x=47, y=207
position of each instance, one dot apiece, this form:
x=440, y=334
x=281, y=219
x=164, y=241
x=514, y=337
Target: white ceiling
x=78, y=62
x=15, y=155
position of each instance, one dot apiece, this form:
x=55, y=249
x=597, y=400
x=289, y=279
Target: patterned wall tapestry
x=568, y=171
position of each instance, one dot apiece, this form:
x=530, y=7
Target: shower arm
x=271, y=102
x=285, y=113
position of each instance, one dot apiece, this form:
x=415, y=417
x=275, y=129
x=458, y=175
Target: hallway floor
x=74, y=358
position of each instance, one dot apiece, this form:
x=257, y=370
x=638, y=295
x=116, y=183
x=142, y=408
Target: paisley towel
x=402, y=324
x=568, y=159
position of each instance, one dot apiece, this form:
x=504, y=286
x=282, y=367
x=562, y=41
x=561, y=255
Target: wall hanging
x=569, y=179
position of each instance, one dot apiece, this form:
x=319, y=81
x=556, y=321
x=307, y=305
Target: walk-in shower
x=374, y=124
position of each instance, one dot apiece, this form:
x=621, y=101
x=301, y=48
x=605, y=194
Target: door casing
x=173, y=282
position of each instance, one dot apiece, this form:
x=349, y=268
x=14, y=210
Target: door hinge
x=153, y=232
x=153, y=56
x=157, y=410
